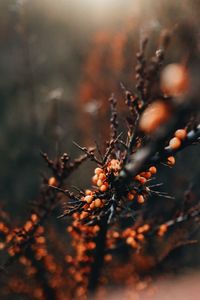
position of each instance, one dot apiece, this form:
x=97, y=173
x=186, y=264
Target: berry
x=142, y=180
x=153, y=170
x=155, y=115
x=95, y=179
x=103, y=187
x=175, y=143
x=97, y=203
x=88, y=199
x=99, y=182
x=140, y=199
x=102, y=176
x=88, y=192
x=174, y=79
x=98, y=171
x=162, y=229
x=53, y=181
x=171, y=160
x=181, y=134
x=130, y=196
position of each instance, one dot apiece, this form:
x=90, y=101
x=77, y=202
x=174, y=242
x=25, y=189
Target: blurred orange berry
x=174, y=80
x=97, y=202
x=95, y=179
x=171, y=160
x=130, y=196
x=88, y=199
x=155, y=115
x=140, y=199
x=153, y=170
x=98, y=171
x=175, y=143
x=103, y=187
x=181, y=134
x=53, y=181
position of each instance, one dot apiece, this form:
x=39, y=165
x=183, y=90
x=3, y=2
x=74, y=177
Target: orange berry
x=28, y=225
x=175, y=143
x=129, y=240
x=88, y=199
x=174, y=79
x=108, y=257
x=146, y=227
x=88, y=192
x=155, y=115
x=34, y=218
x=171, y=160
x=162, y=229
x=137, y=177
x=103, y=187
x=142, y=180
x=153, y=170
x=140, y=229
x=99, y=182
x=97, y=202
x=181, y=134
x=116, y=234
x=83, y=215
x=98, y=171
x=146, y=175
x=95, y=179
x=102, y=176
x=140, y=199
x=130, y=196
x=53, y=181
x=92, y=206
x=140, y=237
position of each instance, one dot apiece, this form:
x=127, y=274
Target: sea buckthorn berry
x=88, y=192
x=162, y=229
x=28, y=225
x=171, y=160
x=88, y=199
x=153, y=170
x=103, y=188
x=108, y=257
x=97, y=202
x=146, y=227
x=102, y=176
x=34, y=218
x=95, y=179
x=53, y=181
x=137, y=177
x=140, y=199
x=114, y=163
x=116, y=234
x=99, y=182
x=175, y=143
x=174, y=79
x=147, y=175
x=129, y=240
x=83, y=215
x=142, y=180
x=155, y=115
x=140, y=229
x=92, y=205
x=130, y=196
x=140, y=237
x=181, y=134
x=98, y=171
